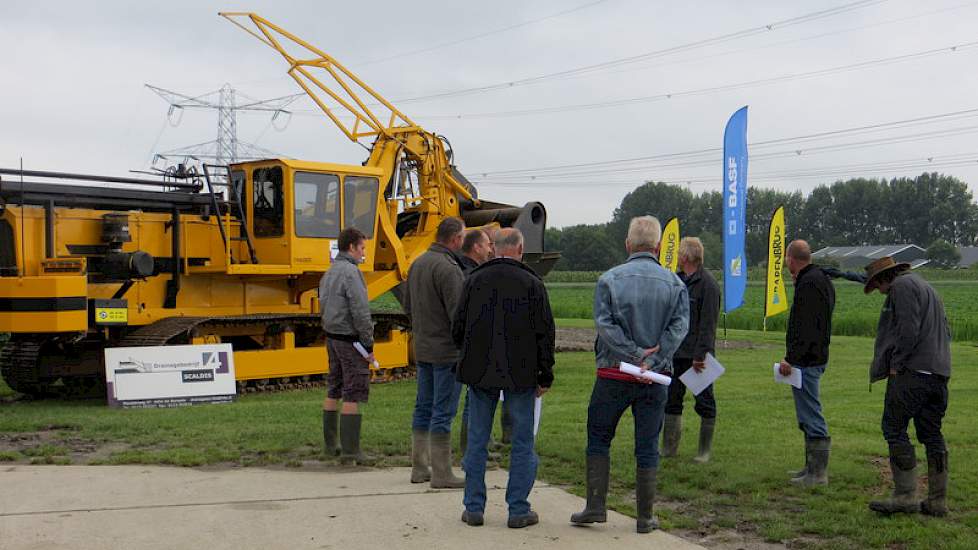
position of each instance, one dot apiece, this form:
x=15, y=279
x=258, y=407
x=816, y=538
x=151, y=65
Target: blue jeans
x=808, y=408
x=609, y=399
x=522, y=458
x=437, y=400
x=505, y=420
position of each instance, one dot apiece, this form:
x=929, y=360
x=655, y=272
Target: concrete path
x=149, y=507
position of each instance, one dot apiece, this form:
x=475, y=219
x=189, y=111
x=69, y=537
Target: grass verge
x=743, y=488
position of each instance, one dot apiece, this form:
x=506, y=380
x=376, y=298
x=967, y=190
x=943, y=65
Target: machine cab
x=294, y=210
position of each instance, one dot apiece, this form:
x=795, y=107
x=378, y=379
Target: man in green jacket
x=432, y=292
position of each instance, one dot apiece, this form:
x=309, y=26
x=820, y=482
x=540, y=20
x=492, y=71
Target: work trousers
x=609, y=400
x=706, y=405
x=920, y=397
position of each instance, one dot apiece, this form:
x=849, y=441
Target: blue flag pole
x=734, y=210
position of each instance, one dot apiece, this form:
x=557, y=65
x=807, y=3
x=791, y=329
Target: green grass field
x=745, y=486
x=856, y=314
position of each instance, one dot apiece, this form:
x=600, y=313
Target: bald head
x=799, y=256
x=799, y=250
x=509, y=243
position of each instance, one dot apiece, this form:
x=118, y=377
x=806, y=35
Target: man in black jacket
x=477, y=249
x=913, y=352
x=704, y=309
x=807, y=343
x=505, y=329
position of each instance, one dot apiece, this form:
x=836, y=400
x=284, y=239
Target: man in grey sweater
x=913, y=353
x=432, y=292
x=345, y=312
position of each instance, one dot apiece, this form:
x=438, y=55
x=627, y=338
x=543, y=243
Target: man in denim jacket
x=641, y=313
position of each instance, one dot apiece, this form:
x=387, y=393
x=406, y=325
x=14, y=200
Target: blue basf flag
x=734, y=210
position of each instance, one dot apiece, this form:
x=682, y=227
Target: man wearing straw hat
x=913, y=352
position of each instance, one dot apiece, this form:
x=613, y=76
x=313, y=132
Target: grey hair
x=691, y=248
x=644, y=233
x=509, y=238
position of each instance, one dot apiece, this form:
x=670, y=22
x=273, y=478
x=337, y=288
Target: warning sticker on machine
x=111, y=315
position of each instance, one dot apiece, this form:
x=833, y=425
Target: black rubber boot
x=441, y=462
x=420, y=469
x=645, y=522
x=672, y=431
x=350, y=441
x=904, y=499
x=330, y=426
x=936, y=502
x=707, y=426
x=799, y=476
x=818, y=465
x=596, y=509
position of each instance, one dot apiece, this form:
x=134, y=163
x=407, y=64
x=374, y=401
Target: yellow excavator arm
x=373, y=115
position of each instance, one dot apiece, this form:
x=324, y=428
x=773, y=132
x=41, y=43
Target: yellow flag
x=776, y=300
x=669, y=246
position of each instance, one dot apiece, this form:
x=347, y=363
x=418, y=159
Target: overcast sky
x=73, y=95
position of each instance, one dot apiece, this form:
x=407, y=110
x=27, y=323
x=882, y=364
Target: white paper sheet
x=363, y=352
x=794, y=378
x=647, y=374
x=537, y=413
x=699, y=381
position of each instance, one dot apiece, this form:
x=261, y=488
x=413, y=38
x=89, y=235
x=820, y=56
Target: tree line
x=932, y=210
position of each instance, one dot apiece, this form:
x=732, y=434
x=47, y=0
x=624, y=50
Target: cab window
x=360, y=203
x=317, y=205
x=267, y=208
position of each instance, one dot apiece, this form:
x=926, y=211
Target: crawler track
x=21, y=357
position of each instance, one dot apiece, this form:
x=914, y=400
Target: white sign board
x=169, y=376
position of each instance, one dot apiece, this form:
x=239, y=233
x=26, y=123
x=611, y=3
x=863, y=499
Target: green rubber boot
x=596, y=509
x=672, y=431
x=350, y=441
x=904, y=499
x=330, y=427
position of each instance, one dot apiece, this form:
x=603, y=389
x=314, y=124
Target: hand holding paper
x=366, y=355
x=794, y=378
x=699, y=380
x=637, y=372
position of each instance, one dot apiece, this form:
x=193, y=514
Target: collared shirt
x=638, y=305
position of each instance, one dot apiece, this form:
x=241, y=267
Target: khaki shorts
x=349, y=372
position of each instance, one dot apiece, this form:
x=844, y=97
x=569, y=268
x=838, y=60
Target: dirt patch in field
x=55, y=445
x=728, y=539
x=582, y=339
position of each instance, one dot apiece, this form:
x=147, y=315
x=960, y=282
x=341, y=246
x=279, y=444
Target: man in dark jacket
x=506, y=331
x=704, y=309
x=913, y=352
x=807, y=342
x=433, y=286
x=476, y=250
x=345, y=312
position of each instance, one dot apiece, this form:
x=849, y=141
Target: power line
x=788, y=42
x=777, y=25
x=766, y=156
x=316, y=112
x=937, y=161
x=443, y=45
x=856, y=130
x=710, y=90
